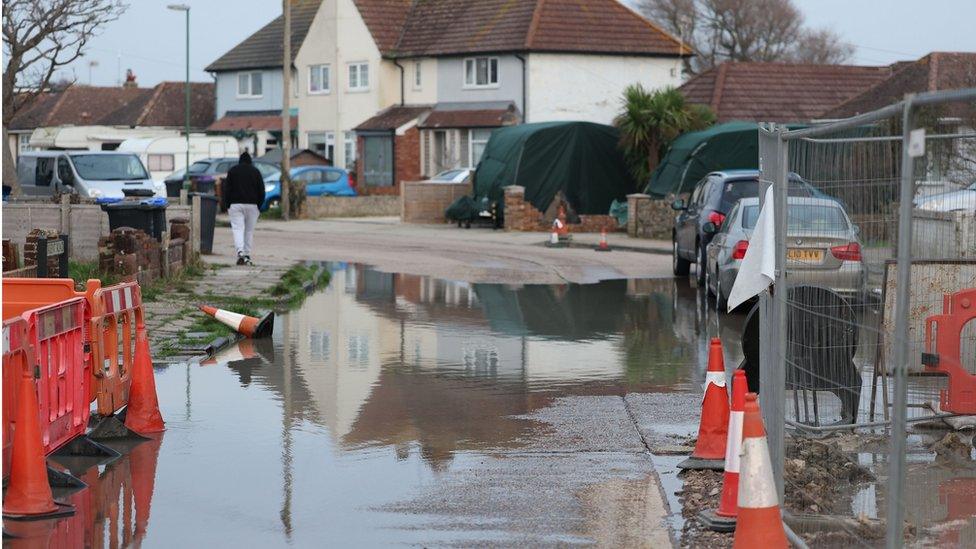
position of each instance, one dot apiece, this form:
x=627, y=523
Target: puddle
x=393, y=408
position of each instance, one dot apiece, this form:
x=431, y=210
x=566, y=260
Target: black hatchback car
x=702, y=214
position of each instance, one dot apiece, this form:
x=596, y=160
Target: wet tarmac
x=400, y=409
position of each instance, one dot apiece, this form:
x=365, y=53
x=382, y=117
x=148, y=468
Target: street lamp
x=186, y=169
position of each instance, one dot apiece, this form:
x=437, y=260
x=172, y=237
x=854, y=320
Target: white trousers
x=243, y=218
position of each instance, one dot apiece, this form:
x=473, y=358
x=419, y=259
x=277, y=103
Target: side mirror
x=710, y=228
x=678, y=205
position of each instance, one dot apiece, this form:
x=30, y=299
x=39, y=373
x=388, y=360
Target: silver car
x=822, y=247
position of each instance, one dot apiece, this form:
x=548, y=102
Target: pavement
x=446, y=251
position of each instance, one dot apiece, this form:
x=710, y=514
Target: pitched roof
x=778, y=92
x=446, y=27
x=162, y=105
x=472, y=115
x=936, y=71
x=263, y=49
x=409, y=28
x=393, y=117
x=250, y=121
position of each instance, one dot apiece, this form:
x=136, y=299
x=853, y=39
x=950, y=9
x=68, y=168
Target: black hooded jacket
x=243, y=184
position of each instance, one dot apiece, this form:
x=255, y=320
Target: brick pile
x=132, y=254
x=30, y=251
x=523, y=216
x=11, y=255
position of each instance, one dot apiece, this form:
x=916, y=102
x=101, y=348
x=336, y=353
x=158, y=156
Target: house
x=298, y=157
x=101, y=118
x=398, y=89
x=778, y=92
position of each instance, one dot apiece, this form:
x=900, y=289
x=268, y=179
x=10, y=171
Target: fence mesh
x=838, y=247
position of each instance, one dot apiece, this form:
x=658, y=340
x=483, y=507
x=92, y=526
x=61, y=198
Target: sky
x=149, y=38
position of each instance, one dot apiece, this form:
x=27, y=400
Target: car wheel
x=700, y=274
x=679, y=266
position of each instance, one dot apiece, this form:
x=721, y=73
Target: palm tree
x=650, y=121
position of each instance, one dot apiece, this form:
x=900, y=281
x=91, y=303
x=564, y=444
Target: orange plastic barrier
x=943, y=351
x=17, y=356
x=23, y=294
x=56, y=333
x=116, y=311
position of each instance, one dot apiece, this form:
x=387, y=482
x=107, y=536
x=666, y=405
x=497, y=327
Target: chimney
x=130, y=79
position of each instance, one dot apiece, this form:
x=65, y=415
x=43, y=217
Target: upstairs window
x=480, y=72
x=319, y=79
x=249, y=84
x=358, y=76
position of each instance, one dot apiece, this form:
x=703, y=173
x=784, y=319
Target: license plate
x=805, y=255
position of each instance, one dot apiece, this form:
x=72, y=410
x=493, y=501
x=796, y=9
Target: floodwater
x=377, y=412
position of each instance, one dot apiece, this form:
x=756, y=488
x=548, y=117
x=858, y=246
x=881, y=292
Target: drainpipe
x=399, y=66
x=525, y=106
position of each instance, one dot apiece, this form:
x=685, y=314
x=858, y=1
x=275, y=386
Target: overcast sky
x=149, y=38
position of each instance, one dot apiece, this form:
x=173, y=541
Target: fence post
x=66, y=218
x=40, y=256
x=195, y=225
x=896, y=466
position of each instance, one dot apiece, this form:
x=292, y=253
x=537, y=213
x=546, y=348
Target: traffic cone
x=723, y=520
x=759, y=521
x=142, y=462
x=713, y=428
x=28, y=493
x=247, y=326
x=142, y=414
x=604, y=246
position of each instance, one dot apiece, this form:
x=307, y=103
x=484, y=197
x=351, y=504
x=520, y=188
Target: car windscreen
x=109, y=167
x=804, y=217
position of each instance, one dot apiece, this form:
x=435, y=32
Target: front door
x=378, y=161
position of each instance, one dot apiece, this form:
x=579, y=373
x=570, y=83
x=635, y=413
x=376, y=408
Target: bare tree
x=40, y=37
x=744, y=30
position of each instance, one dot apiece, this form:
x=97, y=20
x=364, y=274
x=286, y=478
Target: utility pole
x=286, y=111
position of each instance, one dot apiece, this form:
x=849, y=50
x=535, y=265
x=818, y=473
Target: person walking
x=243, y=194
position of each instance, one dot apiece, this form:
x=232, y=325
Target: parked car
x=822, y=246
x=319, y=181
x=209, y=169
x=92, y=174
x=953, y=201
x=710, y=201
x=457, y=175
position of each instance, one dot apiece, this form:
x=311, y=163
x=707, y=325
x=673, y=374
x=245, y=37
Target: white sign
x=916, y=143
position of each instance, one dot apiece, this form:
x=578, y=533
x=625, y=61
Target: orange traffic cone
x=142, y=414
x=604, y=246
x=28, y=493
x=723, y=520
x=759, y=521
x=713, y=428
x=143, y=460
x=247, y=326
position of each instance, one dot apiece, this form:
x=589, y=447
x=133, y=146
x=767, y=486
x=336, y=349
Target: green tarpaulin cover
x=581, y=159
x=693, y=155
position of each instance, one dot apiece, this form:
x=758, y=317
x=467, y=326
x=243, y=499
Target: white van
x=164, y=155
x=92, y=174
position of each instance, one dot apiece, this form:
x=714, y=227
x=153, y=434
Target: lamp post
x=186, y=168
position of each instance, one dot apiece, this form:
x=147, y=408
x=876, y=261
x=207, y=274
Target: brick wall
x=318, y=207
x=134, y=255
x=425, y=202
x=523, y=216
x=406, y=164
x=30, y=251
x=648, y=218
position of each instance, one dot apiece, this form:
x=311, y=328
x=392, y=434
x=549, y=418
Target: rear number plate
x=805, y=255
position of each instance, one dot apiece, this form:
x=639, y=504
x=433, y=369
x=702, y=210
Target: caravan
x=164, y=155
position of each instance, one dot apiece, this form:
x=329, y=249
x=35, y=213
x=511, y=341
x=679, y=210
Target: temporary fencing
x=875, y=255
x=17, y=358
x=56, y=333
x=117, y=310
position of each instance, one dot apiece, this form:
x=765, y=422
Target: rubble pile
x=815, y=471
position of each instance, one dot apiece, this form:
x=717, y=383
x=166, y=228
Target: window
x=23, y=142
x=109, y=166
x=249, y=84
x=310, y=176
x=319, y=79
x=481, y=72
x=160, y=162
x=417, y=75
x=358, y=76
x=322, y=143
x=331, y=176
x=349, y=150
x=64, y=172
x=478, y=139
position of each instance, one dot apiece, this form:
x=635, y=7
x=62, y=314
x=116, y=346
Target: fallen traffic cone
x=28, y=494
x=604, y=246
x=247, y=326
x=723, y=520
x=759, y=521
x=713, y=427
x=142, y=414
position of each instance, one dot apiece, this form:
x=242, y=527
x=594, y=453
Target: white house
x=406, y=89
